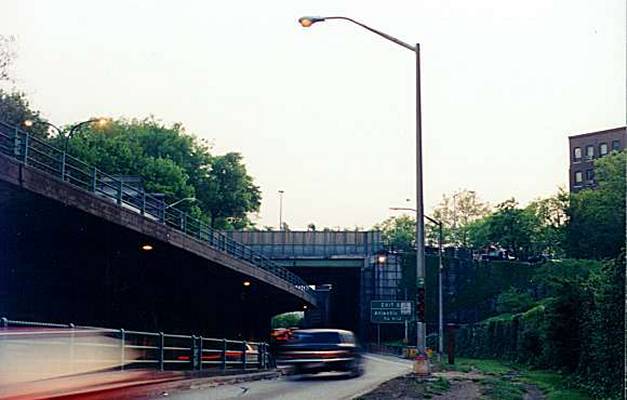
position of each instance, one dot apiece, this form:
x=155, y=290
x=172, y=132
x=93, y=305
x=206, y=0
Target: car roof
x=322, y=331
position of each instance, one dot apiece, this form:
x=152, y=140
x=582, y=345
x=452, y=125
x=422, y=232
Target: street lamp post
x=281, y=209
x=73, y=129
x=440, y=272
x=420, y=228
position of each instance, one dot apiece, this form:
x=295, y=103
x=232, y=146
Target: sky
x=327, y=113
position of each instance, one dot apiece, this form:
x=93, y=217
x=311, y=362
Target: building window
x=589, y=152
x=602, y=149
x=577, y=153
x=589, y=174
x=616, y=145
x=578, y=177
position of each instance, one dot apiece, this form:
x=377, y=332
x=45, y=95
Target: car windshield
x=316, y=337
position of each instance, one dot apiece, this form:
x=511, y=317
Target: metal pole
x=122, y=346
x=440, y=307
x=420, y=226
x=281, y=210
x=406, y=339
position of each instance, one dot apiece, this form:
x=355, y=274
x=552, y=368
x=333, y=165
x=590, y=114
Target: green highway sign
x=391, y=311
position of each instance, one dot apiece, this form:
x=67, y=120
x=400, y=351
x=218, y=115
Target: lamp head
x=101, y=122
x=307, y=21
x=28, y=123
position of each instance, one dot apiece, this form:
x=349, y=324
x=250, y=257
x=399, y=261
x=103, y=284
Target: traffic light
x=420, y=305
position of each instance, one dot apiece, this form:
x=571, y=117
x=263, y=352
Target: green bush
x=578, y=329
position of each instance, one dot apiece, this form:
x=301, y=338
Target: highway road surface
x=327, y=386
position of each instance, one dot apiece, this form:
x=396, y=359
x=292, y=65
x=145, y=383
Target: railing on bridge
x=288, y=244
x=82, y=348
x=37, y=153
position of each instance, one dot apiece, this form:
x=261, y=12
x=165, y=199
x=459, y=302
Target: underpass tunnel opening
x=60, y=264
x=338, y=294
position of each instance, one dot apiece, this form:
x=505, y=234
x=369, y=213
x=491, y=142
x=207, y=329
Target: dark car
x=310, y=351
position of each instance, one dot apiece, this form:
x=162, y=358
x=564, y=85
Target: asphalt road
x=327, y=386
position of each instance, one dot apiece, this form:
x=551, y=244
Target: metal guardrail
x=133, y=349
x=283, y=244
x=37, y=153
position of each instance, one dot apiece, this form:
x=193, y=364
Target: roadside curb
x=157, y=389
x=133, y=385
x=230, y=379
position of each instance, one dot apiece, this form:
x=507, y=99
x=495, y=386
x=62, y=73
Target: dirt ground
x=449, y=385
x=408, y=387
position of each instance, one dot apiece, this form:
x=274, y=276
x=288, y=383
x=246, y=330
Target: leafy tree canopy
x=15, y=109
x=596, y=227
x=175, y=163
x=457, y=212
x=287, y=320
x=398, y=232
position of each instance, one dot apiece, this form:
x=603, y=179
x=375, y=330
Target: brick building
x=587, y=147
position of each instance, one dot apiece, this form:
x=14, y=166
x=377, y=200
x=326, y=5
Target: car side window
x=348, y=338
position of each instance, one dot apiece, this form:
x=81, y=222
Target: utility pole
x=281, y=209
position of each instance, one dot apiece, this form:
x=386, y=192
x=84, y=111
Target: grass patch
x=501, y=389
x=554, y=385
x=490, y=367
x=441, y=386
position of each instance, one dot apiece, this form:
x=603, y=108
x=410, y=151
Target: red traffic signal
x=420, y=305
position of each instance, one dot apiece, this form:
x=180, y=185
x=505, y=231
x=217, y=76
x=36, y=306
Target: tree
x=508, y=227
x=596, y=227
x=549, y=217
x=230, y=192
x=456, y=212
x=175, y=163
x=6, y=56
x=398, y=232
x=287, y=320
x=15, y=109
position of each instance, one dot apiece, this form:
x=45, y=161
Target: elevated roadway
x=73, y=249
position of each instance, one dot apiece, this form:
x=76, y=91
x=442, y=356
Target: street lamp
x=180, y=201
x=100, y=121
x=440, y=270
x=421, y=331
x=147, y=247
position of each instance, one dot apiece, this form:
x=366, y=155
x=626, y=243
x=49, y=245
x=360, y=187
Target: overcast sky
x=327, y=113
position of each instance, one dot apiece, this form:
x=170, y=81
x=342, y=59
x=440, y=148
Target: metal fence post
x=26, y=140
x=94, y=180
x=119, y=194
x=143, y=211
x=161, y=350
x=71, y=326
x=122, y=346
x=63, y=160
x=223, y=365
x=16, y=143
x=244, y=355
x=200, y=352
x=194, y=353
x=264, y=364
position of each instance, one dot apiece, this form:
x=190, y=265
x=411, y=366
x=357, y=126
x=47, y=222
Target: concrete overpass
x=73, y=249
x=346, y=260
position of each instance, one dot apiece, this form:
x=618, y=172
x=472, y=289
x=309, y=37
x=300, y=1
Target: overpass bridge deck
x=35, y=165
